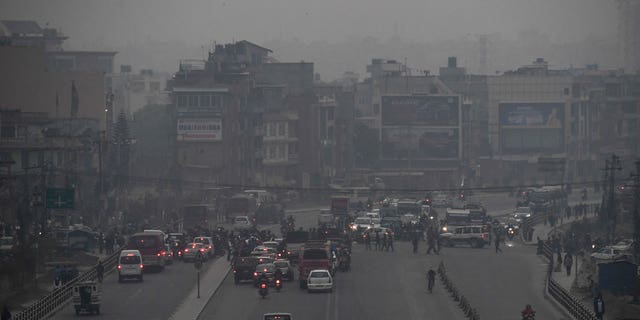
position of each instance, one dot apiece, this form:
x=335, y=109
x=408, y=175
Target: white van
x=130, y=265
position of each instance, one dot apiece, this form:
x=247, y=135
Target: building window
x=272, y=152
x=281, y=150
x=193, y=101
x=216, y=101
x=330, y=114
x=182, y=101
x=8, y=131
x=272, y=129
x=293, y=148
x=376, y=108
x=330, y=133
x=205, y=101
x=281, y=130
x=292, y=131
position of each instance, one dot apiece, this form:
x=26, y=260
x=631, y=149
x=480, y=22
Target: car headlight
x=444, y=229
x=528, y=215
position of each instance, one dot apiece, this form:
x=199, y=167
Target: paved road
x=359, y=293
x=500, y=285
x=155, y=298
x=381, y=285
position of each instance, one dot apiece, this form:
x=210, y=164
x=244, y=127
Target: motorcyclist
x=528, y=313
x=431, y=279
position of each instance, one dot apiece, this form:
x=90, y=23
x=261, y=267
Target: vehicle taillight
x=483, y=236
x=201, y=250
x=210, y=247
x=234, y=271
x=263, y=285
x=119, y=267
x=255, y=274
x=186, y=250
x=277, y=281
x=141, y=266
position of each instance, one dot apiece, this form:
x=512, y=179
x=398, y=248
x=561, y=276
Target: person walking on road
x=377, y=240
x=431, y=279
x=414, y=242
x=598, y=306
x=568, y=262
x=100, y=271
x=390, y=242
x=497, y=243
x=367, y=241
x=431, y=242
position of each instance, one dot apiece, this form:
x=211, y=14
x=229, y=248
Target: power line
x=195, y=184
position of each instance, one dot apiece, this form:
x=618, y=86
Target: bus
x=262, y=196
x=546, y=198
x=151, y=247
x=197, y=218
x=409, y=206
x=458, y=217
x=241, y=205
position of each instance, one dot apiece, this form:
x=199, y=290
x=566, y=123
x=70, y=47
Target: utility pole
x=612, y=166
x=636, y=211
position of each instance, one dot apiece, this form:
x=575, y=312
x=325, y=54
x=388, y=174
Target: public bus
x=241, y=205
x=151, y=247
x=196, y=218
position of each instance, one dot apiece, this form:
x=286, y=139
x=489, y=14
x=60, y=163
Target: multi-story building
x=250, y=135
x=528, y=119
x=417, y=121
x=133, y=91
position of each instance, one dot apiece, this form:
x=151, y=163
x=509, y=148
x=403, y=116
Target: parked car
x=609, y=253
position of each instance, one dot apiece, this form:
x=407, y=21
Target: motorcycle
x=278, y=285
x=511, y=233
x=264, y=289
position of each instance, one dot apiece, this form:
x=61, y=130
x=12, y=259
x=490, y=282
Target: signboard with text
x=421, y=110
x=60, y=198
x=420, y=143
x=532, y=115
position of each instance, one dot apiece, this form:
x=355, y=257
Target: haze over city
x=334, y=33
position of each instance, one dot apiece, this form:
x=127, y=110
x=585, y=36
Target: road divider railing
x=463, y=302
x=59, y=297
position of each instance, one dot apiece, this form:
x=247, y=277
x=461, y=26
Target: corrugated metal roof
x=22, y=27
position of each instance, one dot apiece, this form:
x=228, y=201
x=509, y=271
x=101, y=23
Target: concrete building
x=417, y=119
x=528, y=120
x=132, y=91
x=25, y=33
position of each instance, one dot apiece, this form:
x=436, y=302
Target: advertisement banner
x=421, y=110
x=532, y=115
x=205, y=129
x=420, y=143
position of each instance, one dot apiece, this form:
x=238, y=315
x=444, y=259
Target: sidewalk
x=210, y=281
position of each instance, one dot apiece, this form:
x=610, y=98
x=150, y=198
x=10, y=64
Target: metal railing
x=571, y=304
x=59, y=297
x=575, y=308
x=463, y=302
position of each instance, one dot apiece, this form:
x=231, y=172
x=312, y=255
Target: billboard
x=420, y=143
x=541, y=115
x=421, y=110
x=203, y=129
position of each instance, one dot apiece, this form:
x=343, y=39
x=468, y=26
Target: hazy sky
x=104, y=23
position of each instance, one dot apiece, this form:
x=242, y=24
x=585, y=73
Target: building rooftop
x=21, y=28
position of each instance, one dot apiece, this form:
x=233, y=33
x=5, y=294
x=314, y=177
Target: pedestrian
x=414, y=243
x=377, y=240
x=559, y=264
x=367, y=241
x=100, y=271
x=384, y=242
x=6, y=314
x=390, y=242
x=431, y=243
x=229, y=246
x=568, y=262
x=598, y=306
x=497, y=243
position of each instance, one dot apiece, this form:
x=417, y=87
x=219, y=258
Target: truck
x=294, y=241
x=313, y=255
x=339, y=205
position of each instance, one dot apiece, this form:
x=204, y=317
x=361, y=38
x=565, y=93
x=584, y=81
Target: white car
x=624, y=245
x=242, y=222
x=362, y=223
x=130, y=265
x=319, y=280
x=521, y=213
x=609, y=253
